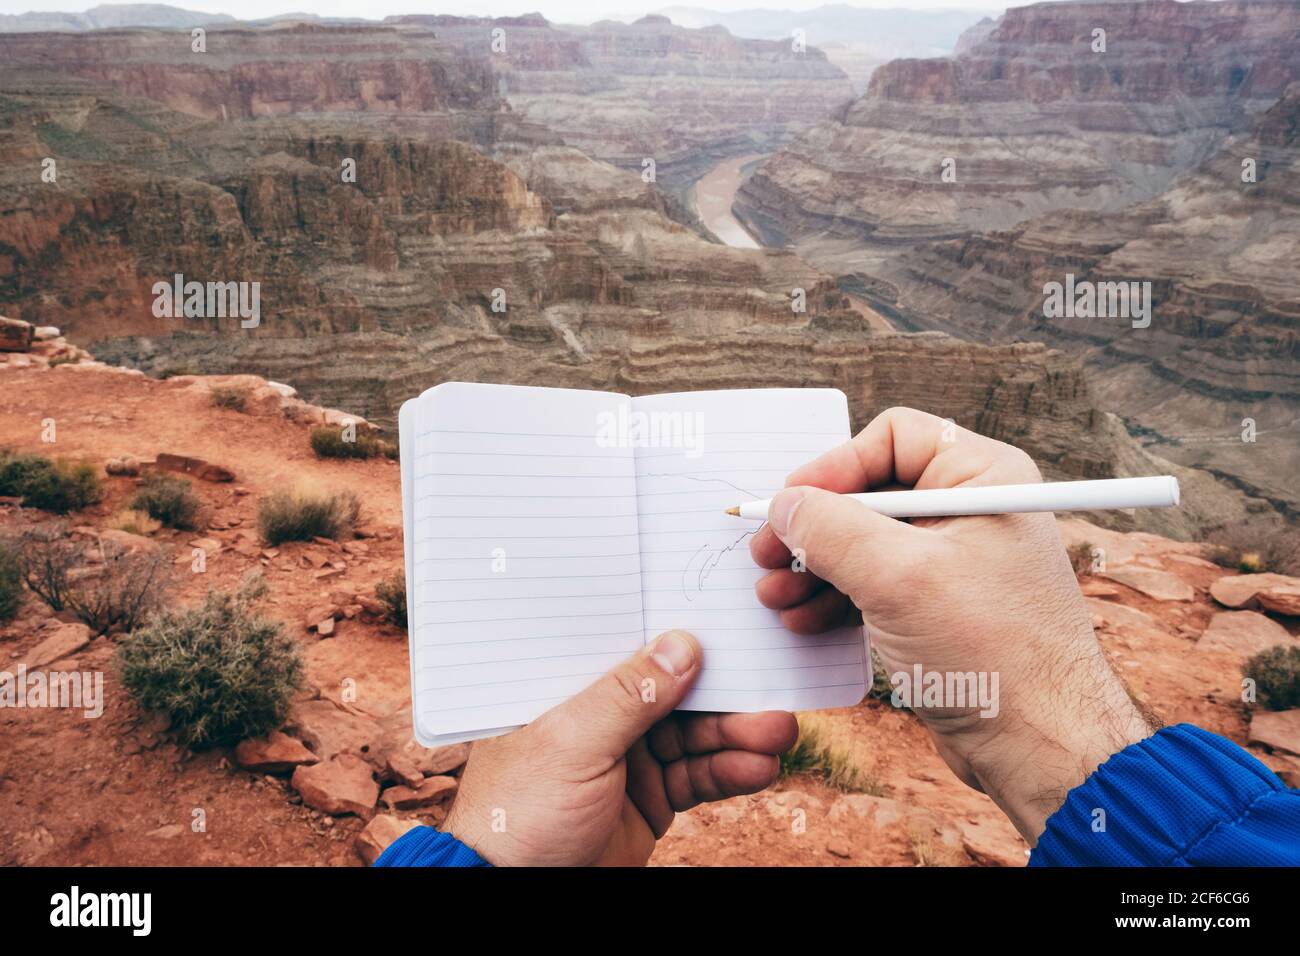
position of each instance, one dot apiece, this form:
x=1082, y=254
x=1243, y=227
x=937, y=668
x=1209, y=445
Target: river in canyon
x=712, y=196
x=714, y=193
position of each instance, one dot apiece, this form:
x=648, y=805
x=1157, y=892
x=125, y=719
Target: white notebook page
x=525, y=568
x=696, y=571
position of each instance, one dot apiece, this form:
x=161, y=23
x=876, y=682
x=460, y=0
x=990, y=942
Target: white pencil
x=1160, y=491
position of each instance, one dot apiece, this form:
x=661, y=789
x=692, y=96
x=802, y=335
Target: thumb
x=837, y=538
x=620, y=707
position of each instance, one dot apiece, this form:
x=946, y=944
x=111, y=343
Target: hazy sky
x=565, y=11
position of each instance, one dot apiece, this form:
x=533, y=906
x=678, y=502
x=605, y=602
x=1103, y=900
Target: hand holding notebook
x=553, y=532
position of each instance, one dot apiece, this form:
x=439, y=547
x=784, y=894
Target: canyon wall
x=396, y=247
x=1030, y=118
x=1170, y=158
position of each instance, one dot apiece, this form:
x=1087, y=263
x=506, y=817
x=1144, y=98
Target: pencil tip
x=734, y=511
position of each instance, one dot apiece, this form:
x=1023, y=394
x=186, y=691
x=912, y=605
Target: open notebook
x=550, y=533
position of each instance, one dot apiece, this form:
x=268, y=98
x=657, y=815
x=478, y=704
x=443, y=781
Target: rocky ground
x=344, y=777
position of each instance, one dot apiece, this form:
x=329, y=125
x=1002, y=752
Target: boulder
x=66, y=639
x=379, y=834
x=1281, y=599
x=1277, y=730
x=399, y=741
x=125, y=542
x=195, y=467
x=321, y=612
x=342, y=785
x=1279, y=593
x=275, y=753
x=400, y=768
x=1244, y=632
x=15, y=335
x=432, y=790
x=1154, y=583
x=328, y=730
x=127, y=466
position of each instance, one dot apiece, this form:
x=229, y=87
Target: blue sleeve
x=425, y=846
x=1182, y=797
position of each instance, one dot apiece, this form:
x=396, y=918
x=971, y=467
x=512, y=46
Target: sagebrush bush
x=1276, y=673
x=392, y=592
x=235, y=399
x=11, y=579
x=219, y=671
x=56, y=486
x=327, y=442
x=169, y=500
x=301, y=516
x=1253, y=547
x=117, y=591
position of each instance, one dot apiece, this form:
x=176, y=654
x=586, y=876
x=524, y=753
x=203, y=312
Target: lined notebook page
x=525, y=569
x=696, y=571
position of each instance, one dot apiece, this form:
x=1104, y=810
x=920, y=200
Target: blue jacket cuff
x=425, y=846
x=1182, y=797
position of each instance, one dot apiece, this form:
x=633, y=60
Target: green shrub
x=219, y=671
x=56, y=486
x=1276, y=673
x=169, y=500
x=327, y=442
x=392, y=592
x=11, y=580
x=235, y=399
x=301, y=516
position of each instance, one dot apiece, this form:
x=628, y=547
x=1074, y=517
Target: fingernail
x=675, y=653
x=781, y=511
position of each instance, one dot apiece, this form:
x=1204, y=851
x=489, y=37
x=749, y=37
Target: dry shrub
x=303, y=515
x=1276, y=673
x=1253, y=547
x=1081, y=558
x=117, y=592
x=169, y=500
x=392, y=592
x=134, y=522
x=835, y=758
x=327, y=441
x=234, y=399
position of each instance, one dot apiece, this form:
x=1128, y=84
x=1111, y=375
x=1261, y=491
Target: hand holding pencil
x=971, y=594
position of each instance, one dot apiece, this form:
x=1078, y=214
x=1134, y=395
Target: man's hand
x=598, y=779
x=984, y=594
